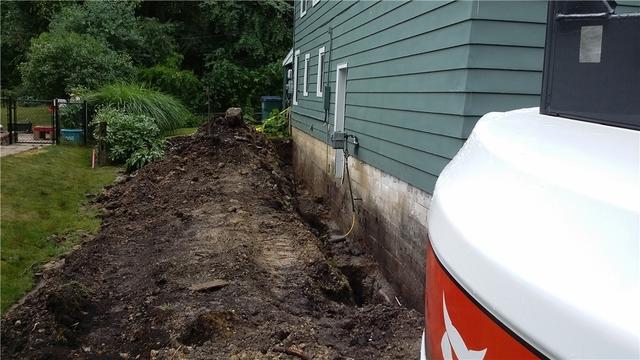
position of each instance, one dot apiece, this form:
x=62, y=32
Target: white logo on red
x=452, y=340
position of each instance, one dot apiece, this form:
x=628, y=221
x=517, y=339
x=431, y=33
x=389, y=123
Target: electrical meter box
x=338, y=140
x=592, y=63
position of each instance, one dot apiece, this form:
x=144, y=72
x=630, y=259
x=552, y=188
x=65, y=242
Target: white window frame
x=306, y=74
x=320, y=71
x=339, y=110
x=303, y=8
x=295, y=77
x=314, y=2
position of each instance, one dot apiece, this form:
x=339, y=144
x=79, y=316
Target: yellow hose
x=353, y=223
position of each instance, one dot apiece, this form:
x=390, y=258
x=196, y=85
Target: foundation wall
x=391, y=215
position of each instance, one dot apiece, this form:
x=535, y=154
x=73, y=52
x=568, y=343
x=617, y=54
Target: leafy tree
x=113, y=22
x=21, y=21
x=235, y=85
x=233, y=47
x=236, y=46
x=146, y=40
x=253, y=37
x=168, y=78
x=192, y=32
x=254, y=33
x=158, y=42
x=59, y=62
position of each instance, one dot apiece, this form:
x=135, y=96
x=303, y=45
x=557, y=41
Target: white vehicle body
x=537, y=218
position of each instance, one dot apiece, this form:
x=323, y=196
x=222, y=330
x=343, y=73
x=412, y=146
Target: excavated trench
x=213, y=253
x=347, y=264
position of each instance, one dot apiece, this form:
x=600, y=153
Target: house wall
x=390, y=217
x=406, y=75
x=507, y=54
x=407, y=70
x=420, y=74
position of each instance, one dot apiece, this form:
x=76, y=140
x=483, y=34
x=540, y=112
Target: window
x=306, y=73
x=320, y=78
x=295, y=77
x=315, y=2
x=303, y=7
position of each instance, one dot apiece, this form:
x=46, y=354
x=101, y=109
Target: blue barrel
x=268, y=104
x=74, y=136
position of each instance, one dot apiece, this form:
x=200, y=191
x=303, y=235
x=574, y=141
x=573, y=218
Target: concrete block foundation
x=391, y=217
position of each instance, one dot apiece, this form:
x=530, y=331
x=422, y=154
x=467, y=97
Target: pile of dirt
x=211, y=253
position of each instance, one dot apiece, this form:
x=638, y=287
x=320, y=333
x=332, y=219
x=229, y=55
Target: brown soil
x=212, y=254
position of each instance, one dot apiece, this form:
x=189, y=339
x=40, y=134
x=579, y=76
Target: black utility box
x=592, y=63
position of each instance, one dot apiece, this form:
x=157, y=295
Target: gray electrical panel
x=338, y=140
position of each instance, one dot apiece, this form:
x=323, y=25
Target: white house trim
x=315, y=2
x=319, y=81
x=306, y=73
x=338, y=113
x=295, y=77
x=303, y=7
x=289, y=59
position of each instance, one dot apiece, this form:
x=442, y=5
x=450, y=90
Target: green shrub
x=111, y=22
x=249, y=116
x=276, y=125
x=195, y=121
x=132, y=139
x=233, y=84
x=243, y=60
x=115, y=23
x=168, y=78
x=167, y=112
x=58, y=62
x=158, y=41
x=71, y=116
x=141, y=157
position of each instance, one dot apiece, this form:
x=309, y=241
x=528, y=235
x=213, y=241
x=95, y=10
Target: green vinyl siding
x=420, y=74
x=508, y=33
x=507, y=55
x=406, y=80
x=433, y=123
x=518, y=11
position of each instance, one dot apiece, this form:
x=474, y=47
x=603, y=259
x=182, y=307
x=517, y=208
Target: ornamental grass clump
x=167, y=112
x=132, y=139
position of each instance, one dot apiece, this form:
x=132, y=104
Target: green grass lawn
x=182, y=132
x=37, y=115
x=43, y=193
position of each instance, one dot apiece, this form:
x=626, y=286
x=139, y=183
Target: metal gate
x=30, y=121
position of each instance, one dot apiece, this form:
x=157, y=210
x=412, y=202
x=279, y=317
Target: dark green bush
x=157, y=42
x=71, y=116
x=233, y=84
x=182, y=84
x=111, y=22
x=144, y=156
x=146, y=40
x=58, y=62
x=131, y=139
x=276, y=125
x=195, y=121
